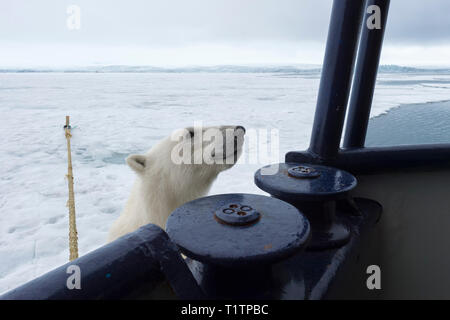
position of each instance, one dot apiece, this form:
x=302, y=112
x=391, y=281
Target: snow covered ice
x=115, y=114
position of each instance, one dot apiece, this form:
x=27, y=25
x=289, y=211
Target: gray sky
x=184, y=32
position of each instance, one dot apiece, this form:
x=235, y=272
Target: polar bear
x=180, y=168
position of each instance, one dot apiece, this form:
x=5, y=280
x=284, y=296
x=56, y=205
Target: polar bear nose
x=239, y=127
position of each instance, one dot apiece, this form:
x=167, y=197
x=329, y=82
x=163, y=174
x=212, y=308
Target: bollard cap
x=305, y=182
x=237, y=214
x=238, y=230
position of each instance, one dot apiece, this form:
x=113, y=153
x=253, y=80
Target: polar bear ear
x=137, y=162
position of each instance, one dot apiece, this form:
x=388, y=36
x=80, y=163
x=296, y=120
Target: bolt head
x=237, y=214
x=303, y=172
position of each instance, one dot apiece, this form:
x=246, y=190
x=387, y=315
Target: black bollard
x=314, y=190
x=234, y=240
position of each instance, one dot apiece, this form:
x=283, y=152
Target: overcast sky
x=193, y=32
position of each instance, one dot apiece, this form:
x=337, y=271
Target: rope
x=73, y=234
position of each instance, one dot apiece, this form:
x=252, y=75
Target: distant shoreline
x=303, y=69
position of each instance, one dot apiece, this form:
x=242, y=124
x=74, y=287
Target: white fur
x=161, y=185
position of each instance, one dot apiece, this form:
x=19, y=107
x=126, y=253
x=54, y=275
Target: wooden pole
x=73, y=235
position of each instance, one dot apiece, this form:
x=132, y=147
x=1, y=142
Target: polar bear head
x=191, y=157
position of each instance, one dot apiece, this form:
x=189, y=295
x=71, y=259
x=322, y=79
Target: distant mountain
x=401, y=69
x=296, y=69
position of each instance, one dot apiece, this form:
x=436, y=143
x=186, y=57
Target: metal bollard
x=314, y=190
x=233, y=241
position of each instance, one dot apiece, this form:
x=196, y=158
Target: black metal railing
x=133, y=266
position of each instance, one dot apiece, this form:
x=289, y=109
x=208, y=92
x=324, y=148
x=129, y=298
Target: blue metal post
x=336, y=77
x=365, y=76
